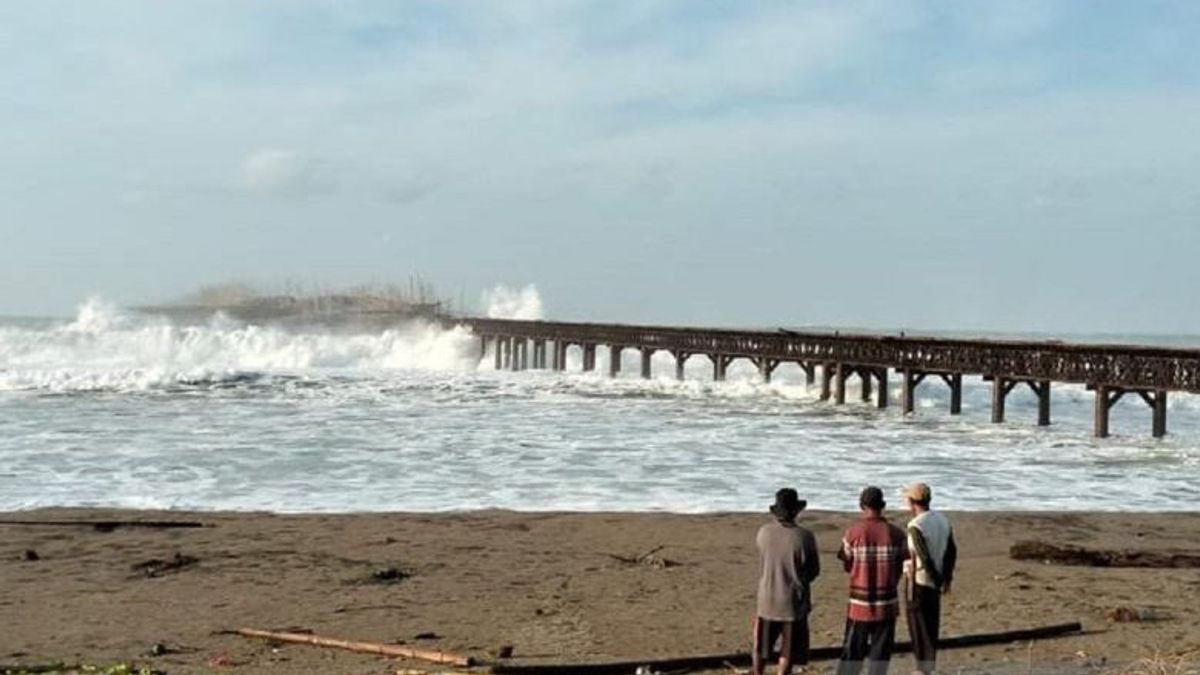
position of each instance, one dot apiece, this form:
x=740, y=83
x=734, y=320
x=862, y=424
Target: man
x=929, y=571
x=789, y=562
x=873, y=552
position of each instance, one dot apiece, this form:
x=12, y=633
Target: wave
x=104, y=348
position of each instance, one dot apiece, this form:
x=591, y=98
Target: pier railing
x=1112, y=370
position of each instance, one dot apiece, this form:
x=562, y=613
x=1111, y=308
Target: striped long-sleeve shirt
x=873, y=552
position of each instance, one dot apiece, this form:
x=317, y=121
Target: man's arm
x=846, y=555
x=812, y=558
x=920, y=555
x=949, y=563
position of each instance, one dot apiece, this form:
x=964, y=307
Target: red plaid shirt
x=873, y=551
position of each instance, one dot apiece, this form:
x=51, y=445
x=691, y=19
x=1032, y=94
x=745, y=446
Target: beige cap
x=917, y=492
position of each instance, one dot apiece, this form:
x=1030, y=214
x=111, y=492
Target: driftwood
x=445, y=658
x=1077, y=555
x=649, y=558
x=740, y=659
x=107, y=525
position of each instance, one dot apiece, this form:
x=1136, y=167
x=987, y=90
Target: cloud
x=283, y=173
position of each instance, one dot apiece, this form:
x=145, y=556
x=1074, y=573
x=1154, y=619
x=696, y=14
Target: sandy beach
x=550, y=585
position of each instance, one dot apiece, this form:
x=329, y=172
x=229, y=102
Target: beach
x=556, y=587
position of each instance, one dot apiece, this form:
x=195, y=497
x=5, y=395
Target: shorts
x=768, y=639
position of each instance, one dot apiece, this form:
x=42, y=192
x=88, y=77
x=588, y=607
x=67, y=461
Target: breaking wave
x=104, y=348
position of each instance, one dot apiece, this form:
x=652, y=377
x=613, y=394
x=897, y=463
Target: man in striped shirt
x=873, y=552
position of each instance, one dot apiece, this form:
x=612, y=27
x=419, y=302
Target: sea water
x=115, y=409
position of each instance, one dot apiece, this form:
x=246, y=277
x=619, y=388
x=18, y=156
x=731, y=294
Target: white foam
x=106, y=349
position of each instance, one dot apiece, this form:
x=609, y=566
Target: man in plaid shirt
x=873, y=552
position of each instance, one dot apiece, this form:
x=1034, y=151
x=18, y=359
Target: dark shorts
x=768, y=639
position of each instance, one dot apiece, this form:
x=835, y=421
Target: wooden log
x=715, y=661
x=1079, y=556
x=397, y=651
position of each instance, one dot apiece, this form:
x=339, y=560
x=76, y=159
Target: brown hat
x=917, y=492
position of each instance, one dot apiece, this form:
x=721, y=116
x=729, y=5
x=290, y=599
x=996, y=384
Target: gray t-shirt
x=789, y=562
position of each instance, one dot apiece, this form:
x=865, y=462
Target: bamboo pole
x=398, y=651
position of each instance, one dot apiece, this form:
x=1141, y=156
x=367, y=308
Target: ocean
x=114, y=409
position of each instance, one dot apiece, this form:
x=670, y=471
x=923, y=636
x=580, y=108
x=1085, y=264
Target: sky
x=1017, y=165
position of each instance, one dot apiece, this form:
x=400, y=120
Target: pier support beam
x=954, y=381
x=646, y=354
x=680, y=359
x=589, y=357
x=720, y=366
x=908, y=389
x=499, y=355
x=840, y=372
x=1001, y=387
x=539, y=354
x=766, y=366
x=1041, y=388
x=826, y=380
x=809, y=373
x=865, y=374
x=1107, y=396
x=560, y=356
x=614, y=360
x=881, y=401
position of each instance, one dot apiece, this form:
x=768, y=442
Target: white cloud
x=283, y=172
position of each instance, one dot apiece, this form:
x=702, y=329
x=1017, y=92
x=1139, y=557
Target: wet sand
x=547, y=584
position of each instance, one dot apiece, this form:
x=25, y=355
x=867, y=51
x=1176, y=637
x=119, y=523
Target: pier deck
x=1111, y=371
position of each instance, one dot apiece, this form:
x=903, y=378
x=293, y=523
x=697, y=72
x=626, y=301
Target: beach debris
x=430, y=635
x=156, y=567
x=31, y=555
x=107, y=525
x=444, y=658
x=1078, y=555
x=649, y=559
x=503, y=652
x=717, y=661
x=1127, y=614
x=388, y=575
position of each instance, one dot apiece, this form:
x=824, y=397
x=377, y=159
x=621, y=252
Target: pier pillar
x=908, y=390
x=589, y=357
x=499, y=355
x=720, y=366
x=680, y=359
x=539, y=354
x=840, y=372
x=826, y=380
x=766, y=367
x=809, y=373
x=1160, y=413
x=483, y=346
x=518, y=354
x=865, y=375
x=1041, y=388
x=1106, y=398
x=954, y=381
x=1157, y=400
x=1001, y=386
x=614, y=360
x=558, y=358
x=646, y=354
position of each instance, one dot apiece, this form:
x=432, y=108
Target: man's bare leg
x=785, y=649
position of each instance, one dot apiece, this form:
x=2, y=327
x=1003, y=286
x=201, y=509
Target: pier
x=1110, y=371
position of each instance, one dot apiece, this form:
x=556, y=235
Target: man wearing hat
x=873, y=552
x=789, y=562
x=929, y=571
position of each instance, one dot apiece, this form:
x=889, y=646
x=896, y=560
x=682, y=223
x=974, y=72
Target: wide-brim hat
x=787, y=503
